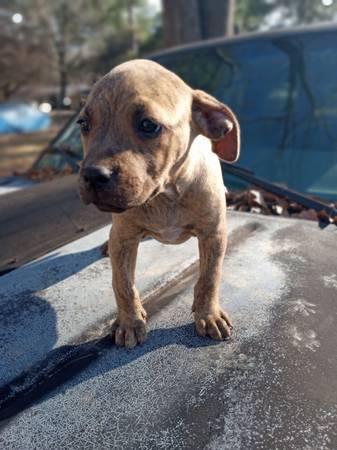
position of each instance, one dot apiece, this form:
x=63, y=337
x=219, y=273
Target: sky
x=156, y=4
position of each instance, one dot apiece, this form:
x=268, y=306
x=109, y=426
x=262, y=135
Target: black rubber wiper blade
x=298, y=197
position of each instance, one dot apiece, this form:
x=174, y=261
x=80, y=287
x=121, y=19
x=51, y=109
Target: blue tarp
x=22, y=118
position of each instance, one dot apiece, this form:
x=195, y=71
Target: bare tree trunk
x=170, y=22
x=192, y=20
x=230, y=18
x=181, y=22
x=60, y=46
x=305, y=11
x=132, y=28
x=63, y=90
x=216, y=18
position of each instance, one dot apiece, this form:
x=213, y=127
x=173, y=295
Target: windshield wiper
x=280, y=191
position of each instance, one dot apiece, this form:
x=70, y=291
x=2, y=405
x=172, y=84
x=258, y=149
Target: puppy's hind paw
x=216, y=325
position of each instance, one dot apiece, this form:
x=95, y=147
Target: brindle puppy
x=148, y=140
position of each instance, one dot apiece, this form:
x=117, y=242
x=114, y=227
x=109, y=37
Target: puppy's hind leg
x=210, y=319
x=129, y=327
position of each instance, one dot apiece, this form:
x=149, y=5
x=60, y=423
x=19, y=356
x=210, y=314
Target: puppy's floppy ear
x=217, y=122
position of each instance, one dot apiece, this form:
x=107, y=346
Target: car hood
x=272, y=384
x=12, y=184
x=41, y=218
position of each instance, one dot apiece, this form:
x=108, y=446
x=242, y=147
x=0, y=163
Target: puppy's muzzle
x=100, y=181
x=96, y=177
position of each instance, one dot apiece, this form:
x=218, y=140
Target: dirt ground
x=19, y=151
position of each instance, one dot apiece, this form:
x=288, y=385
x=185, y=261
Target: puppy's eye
x=84, y=125
x=149, y=128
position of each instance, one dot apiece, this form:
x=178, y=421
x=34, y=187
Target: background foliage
x=63, y=42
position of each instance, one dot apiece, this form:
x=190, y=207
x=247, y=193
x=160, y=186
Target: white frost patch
x=296, y=258
x=253, y=282
x=330, y=280
x=287, y=246
x=302, y=307
x=304, y=339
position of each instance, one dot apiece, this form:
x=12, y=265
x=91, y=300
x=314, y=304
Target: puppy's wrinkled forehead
x=140, y=86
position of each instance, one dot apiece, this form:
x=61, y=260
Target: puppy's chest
x=170, y=229
x=171, y=234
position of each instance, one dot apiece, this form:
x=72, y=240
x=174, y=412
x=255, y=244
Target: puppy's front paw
x=216, y=324
x=129, y=333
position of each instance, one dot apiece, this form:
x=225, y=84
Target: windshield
x=284, y=92
x=64, y=152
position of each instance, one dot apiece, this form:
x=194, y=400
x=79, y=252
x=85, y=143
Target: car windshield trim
x=276, y=189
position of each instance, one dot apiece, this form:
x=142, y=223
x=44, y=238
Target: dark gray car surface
x=38, y=219
x=273, y=385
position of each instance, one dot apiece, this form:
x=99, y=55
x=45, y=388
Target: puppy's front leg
x=129, y=327
x=210, y=319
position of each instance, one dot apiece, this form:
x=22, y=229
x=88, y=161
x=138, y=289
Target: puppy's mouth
x=103, y=200
x=101, y=203
x=105, y=207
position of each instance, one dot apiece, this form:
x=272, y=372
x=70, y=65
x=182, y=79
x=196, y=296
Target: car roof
x=248, y=37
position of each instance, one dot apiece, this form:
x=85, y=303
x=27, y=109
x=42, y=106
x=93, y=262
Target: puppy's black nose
x=96, y=176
